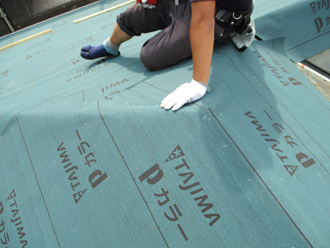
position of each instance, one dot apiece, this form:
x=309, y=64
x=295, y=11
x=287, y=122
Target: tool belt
x=177, y=2
x=238, y=21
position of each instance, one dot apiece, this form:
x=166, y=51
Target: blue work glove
x=186, y=93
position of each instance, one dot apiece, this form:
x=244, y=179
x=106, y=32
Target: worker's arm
x=202, y=40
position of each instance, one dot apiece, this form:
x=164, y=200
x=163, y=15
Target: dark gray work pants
x=169, y=46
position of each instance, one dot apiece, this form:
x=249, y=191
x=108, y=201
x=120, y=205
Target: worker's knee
x=151, y=59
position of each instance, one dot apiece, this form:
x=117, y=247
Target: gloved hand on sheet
x=186, y=93
x=150, y=4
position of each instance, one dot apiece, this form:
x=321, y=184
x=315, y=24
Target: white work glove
x=186, y=93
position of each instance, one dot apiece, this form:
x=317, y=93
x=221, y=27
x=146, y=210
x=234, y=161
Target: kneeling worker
x=187, y=29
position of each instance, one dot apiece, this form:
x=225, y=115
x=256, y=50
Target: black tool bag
x=238, y=21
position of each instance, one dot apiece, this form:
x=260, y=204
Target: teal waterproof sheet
x=89, y=159
x=305, y=24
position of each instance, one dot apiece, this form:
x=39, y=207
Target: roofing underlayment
x=89, y=159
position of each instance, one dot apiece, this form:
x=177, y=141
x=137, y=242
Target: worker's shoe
x=90, y=52
x=244, y=40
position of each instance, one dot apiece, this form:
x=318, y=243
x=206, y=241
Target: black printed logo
x=177, y=152
x=11, y=195
x=77, y=196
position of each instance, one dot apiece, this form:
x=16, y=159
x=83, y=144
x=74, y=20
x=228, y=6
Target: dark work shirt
x=231, y=5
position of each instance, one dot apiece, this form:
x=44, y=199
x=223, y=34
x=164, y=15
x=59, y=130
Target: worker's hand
x=186, y=93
